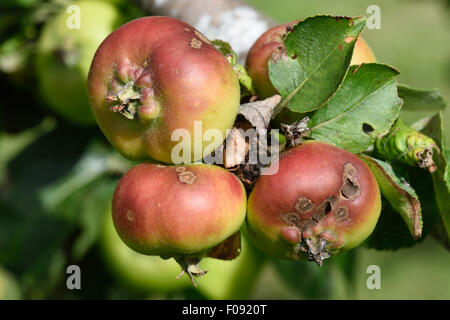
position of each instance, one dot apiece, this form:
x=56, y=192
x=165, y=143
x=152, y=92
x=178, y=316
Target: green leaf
x=12, y=144
x=398, y=192
x=317, y=53
x=246, y=83
x=391, y=232
x=225, y=48
x=420, y=99
x=32, y=248
x=441, y=177
x=44, y=162
x=91, y=165
x=365, y=106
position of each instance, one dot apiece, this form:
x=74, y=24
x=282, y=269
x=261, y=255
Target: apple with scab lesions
x=155, y=75
x=178, y=211
x=322, y=201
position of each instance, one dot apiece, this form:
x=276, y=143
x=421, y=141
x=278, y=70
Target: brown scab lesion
x=350, y=189
x=304, y=224
x=130, y=215
x=291, y=219
x=187, y=177
x=195, y=43
x=324, y=209
x=303, y=205
x=288, y=30
x=202, y=37
x=341, y=214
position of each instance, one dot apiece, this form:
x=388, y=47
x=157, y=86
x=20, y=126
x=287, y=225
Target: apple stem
x=190, y=265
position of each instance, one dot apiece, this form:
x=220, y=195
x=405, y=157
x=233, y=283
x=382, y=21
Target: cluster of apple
x=155, y=75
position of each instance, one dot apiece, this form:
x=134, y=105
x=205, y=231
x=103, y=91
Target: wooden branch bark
x=230, y=20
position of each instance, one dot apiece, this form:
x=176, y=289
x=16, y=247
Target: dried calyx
x=306, y=215
x=296, y=132
x=228, y=249
x=425, y=159
x=132, y=94
x=190, y=265
x=126, y=101
x=405, y=144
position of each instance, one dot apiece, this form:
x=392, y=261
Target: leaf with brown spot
x=312, y=62
x=398, y=192
x=365, y=106
x=421, y=100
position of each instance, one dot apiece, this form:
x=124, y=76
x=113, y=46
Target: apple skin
x=362, y=53
x=64, y=56
x=314, y=171
x=174, y=211
x=176, y=76
x=257, y=62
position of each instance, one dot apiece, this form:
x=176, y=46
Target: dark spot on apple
x=195, y=43
x=291, y=219
x=350, y=185
x=187, y=177
x=202, y=37
x=324, y=208
x=341, y=214
x=303, y=205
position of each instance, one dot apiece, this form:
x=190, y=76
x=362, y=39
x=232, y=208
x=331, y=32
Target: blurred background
x=57, y=172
